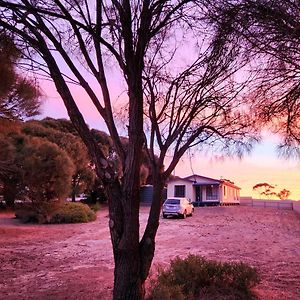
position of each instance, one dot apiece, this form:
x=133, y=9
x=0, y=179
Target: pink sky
x=262, y=165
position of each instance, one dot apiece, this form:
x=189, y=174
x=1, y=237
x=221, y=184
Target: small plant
x=197, y=278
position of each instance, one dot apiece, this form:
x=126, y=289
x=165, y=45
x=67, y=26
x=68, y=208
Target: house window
x=211, y=193
x=179, y=191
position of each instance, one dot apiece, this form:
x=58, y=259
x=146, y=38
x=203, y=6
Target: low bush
x=26, y=215
x=72, y=212
x=197, y=278
x=56, y=213
x=36, y=212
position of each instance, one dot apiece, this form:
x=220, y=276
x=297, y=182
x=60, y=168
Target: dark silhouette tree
x=173, y=103
x=265, y=189
x=268, y=33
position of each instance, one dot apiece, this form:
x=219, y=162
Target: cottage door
x=198, y=194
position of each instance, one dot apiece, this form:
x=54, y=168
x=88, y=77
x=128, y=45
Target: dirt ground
x=76, y=261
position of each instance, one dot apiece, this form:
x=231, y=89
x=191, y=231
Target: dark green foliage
x=62, y=125
x=19, y=96
x=197, y=278
x=47, y=171
x=36, y=212
x=71, y=212
x=56, y=213
x=83, y=175
x=26, y=215
x=96, y=194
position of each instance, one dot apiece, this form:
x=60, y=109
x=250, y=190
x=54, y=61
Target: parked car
x=180, y=207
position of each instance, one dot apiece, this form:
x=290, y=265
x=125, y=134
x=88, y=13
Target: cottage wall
x=229, y=194
x=189, y=192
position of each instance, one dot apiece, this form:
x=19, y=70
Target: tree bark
x=128, y=282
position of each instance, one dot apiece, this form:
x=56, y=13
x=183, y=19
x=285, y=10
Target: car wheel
x=192, y=212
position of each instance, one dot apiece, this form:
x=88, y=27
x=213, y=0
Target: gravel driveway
x=75, y=261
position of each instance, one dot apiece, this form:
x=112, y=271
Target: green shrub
x=72, y=212
x=56, y=213
x=197, y=278
x=26, y=215
x=37, y=211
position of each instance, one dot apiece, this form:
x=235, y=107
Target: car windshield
x=173, y=201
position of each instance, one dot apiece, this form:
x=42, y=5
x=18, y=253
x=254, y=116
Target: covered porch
x=206, y=194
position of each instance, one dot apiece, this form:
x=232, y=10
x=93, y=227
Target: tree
x=264, y=189
x=269, y=35
x=47, y=171
x=62, y=125
x=8, y=178
x=40, y=172
x=58, y=133
x=6, y=149
x=19, y=96
x=173, y=103
x=283, y=194
x=267, y=190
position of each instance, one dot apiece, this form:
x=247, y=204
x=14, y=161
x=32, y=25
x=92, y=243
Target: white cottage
x=204, y=190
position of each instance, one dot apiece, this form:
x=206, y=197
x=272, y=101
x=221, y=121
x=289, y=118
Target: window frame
x=178, y=192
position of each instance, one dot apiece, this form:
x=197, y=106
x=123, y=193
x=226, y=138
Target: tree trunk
x=133, y=259
x=128, y=284
x=74, y=186
x=73, y=193
x=124, y=230
x=9, y=193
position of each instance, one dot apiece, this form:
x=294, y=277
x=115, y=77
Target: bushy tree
x=283, y=194
x=47, y=171
x=83, y=175
x=9, y=178
x=19, y=96
x=41, y=171
x=62, y=125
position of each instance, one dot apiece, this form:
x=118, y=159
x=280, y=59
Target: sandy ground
x=75, y=261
